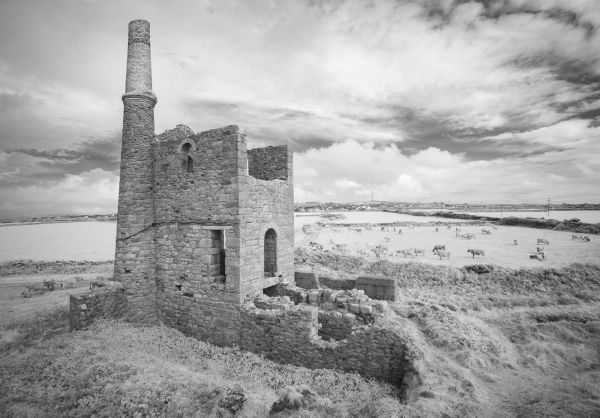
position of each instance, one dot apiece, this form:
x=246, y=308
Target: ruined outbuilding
x=205, y=235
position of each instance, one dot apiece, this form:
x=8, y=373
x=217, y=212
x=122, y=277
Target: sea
x=95, y=241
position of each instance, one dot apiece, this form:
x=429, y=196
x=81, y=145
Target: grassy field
x=497, y=342
x=498, y=246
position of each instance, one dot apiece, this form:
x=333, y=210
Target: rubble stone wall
x=381, y=288
x=86, y=308
x=269, y=163
x=265, y=205
x=290, y=335
x=206, y=318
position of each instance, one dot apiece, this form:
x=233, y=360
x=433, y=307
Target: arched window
x=190, y=164
x=187, y=160
x=270, y=253
x=185, y=148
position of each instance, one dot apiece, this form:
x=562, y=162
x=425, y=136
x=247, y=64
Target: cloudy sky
x=441, y=100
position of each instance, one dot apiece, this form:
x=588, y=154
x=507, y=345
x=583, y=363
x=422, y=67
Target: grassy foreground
x=117, y=369
x=498, y=342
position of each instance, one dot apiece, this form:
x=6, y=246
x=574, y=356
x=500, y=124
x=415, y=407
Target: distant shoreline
x=65, y=221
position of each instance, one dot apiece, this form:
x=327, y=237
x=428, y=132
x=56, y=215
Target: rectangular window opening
x=219, y=244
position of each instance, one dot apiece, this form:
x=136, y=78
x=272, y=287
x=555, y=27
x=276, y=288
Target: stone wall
x=84, y=309
x=210, y=193
x=306, y=280
x=269, y=163
x=206, y=318
x=288, y=333
x=265, y=205
x=381, y=288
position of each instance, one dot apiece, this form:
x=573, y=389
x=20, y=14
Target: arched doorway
x=270, y=252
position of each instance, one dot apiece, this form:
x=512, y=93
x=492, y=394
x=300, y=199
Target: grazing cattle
x=342, y=248
x=108, y=284
x=419, y=251
x=407, y=253
x=476, y=251
x=538, y=256
x=495, y=228
x=580, y=238
x=399, y=231
x=387, y=239
x=379, y=251
x=465, y=236
x=358, y=230
x=315, y=246
x=486, y=232
x=444, y=254
x=29, y=288
x=436, y=229
x=541, y=241
x=438, y=247
x=49, y=284
x=515, y=242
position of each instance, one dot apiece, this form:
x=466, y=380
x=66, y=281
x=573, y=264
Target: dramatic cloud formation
x=431, y=100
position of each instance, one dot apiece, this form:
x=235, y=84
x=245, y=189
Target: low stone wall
x=209, y=320
x=84, y=309
x=340, y=284
x=306, y=280
x=289, y=334
x=380, y=288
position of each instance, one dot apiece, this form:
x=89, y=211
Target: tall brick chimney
x=134, y=255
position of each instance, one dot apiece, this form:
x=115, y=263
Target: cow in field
x=466, y=236
x=580, y=238
x=315, y=246
x=541, y=241
x=439, y=247
x=108, y=284
x=50, y=284
x=419, y=251
x=486, y=232
x=387, y=239
x=444, y=254
x=476, y=251
x=406, y=253
x=29, y=288
x=538, y=256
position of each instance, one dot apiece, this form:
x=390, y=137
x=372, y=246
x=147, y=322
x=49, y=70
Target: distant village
x=438, y=206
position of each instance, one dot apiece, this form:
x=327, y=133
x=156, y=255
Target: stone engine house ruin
x=200, y=217
x=205, y=244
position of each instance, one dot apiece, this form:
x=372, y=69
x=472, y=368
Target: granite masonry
x=205, y=235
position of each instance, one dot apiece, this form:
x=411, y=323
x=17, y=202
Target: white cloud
x=346, y=184
x=95, y=191
x=435, y=175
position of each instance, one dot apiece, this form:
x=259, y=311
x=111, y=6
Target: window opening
x=270, y=253
x=219, y=246
x=190, y=164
